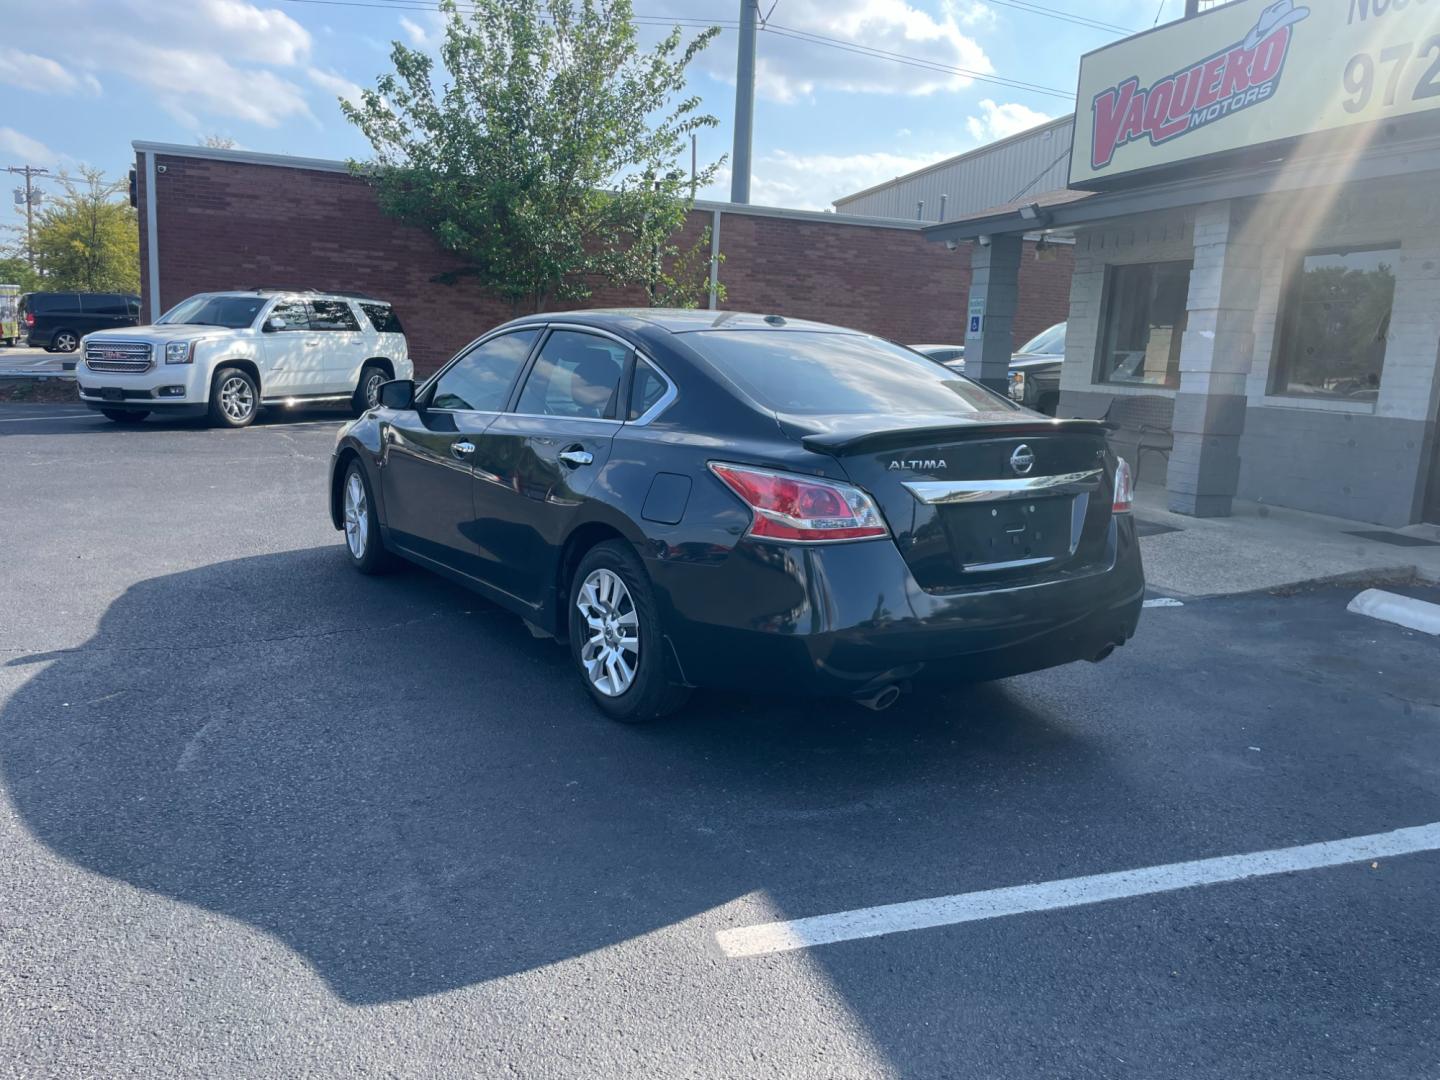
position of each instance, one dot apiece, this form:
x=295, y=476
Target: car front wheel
x=234, y=398
x=362, y=531
x=616, y=639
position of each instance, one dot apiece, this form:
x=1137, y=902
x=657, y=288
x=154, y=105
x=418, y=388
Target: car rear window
x=826, y=374
x=383, y=318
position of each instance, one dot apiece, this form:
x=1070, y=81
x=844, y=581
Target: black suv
x=56, y=321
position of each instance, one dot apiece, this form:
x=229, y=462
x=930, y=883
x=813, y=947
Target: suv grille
x=117, y=355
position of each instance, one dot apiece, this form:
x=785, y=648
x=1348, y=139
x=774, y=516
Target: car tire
x=125, y=416
x=363, y=542
x=65, y=340
x=234, y=398
x=371, y=376
x=648, y=694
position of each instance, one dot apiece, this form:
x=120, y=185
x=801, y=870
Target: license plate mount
x=112, y=393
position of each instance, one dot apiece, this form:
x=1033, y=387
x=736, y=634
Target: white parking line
x=1071, y=892
x=33, y=419
x=1163, y=601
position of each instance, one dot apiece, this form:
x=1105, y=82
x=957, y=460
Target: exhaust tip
x=880, y=700
x=1102, y=654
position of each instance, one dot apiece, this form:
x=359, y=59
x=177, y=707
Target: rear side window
x=332, y=315
x=481, y=379
x=646, y=390
x=575, y=375
x=807, y=372
x=383, y=318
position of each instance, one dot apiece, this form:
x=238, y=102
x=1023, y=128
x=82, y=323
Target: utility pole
x=744, y=103
x=31, y=197
x=1192, y=8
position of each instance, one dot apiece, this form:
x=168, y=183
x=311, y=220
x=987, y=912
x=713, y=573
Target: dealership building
x=1253, y=200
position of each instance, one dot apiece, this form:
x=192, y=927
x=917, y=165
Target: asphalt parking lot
x=262, y=816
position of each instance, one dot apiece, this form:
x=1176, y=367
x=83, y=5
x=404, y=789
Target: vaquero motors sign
x=1251, y=73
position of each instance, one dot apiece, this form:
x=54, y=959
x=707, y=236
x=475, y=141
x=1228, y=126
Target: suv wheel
x=371, y=376
x=616, y=639
x=65, y=341
x=234, y=398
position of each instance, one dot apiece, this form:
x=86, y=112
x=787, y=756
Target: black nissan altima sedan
x=700, y=498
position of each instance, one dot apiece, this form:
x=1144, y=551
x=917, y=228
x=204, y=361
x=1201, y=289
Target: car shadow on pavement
x=394, y=779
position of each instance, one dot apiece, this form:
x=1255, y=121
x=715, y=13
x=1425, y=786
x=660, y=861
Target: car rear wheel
x=371, y=377
x=362, y=531
x=65, y=341
x=234, y=398
x=125, y=416
x=616, y=639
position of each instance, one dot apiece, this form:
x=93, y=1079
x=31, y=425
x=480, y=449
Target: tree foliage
x=87, y=238
x=14, y=270
x=548, y=158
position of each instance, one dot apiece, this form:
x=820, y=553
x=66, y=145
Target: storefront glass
x=1334, y=322
x=1143, y=322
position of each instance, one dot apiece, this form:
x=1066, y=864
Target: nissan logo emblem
x=1023, y=459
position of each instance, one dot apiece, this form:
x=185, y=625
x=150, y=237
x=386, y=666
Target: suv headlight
x=179, y=352
x=1017, y=386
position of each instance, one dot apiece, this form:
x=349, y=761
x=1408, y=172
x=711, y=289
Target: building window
x=1144, y=318
x=1334, y=319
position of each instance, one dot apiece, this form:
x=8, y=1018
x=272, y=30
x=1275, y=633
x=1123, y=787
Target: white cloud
x=189, y=82
x=336, y=85
x=31, y=72
x=814, y=181
x=417, y=34
x=28, y=150
x=998, y=121
x=233, y=29
x=789, y=68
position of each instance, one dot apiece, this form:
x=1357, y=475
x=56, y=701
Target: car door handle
x=312, y=344
x=576, y=457
x=462, y=449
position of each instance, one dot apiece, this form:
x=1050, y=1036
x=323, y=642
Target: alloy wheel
x=66, y=341
x=372, y=389
x=236, y=398
x=611, y=652
x=357, y=516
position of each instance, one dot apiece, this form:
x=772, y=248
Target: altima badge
x=919, y=463
x=1023, y=459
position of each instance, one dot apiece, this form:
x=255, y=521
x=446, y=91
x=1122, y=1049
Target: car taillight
x=29, y=318
x=1124, y=487
x=802, y=509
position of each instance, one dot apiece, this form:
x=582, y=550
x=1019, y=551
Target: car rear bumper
x=849, y=618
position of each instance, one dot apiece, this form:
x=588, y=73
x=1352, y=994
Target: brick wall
x=226, y=224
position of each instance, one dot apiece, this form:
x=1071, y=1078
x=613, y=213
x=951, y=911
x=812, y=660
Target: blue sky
x=80, y=79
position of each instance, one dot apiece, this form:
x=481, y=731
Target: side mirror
x=397, y=394
x=272, y=324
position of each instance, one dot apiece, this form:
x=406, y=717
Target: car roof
x=685, y=320
x=319, y=294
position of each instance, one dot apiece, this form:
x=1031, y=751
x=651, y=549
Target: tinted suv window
x=481, y=379
x=103, y=304
x=808, y=372
x=332, y=315
x=576, y=374
x=296, y=314
x=646, y=389
x=383, y=318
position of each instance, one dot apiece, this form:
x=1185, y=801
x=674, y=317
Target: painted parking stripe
x=1404, y=611
x=1071, y=892
x=58, y=416
x=1163, y=601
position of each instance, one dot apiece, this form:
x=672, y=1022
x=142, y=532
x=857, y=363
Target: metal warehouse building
x=1034, y=160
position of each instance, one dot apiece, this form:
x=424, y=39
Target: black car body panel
x=937, y=598
x=45, y=315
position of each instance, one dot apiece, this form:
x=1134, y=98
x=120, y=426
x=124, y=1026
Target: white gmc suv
x=228, y=353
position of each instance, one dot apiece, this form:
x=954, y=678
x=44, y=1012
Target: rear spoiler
x=840, y=442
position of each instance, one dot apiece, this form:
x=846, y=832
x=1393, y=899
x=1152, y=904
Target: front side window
x=1144, y=321
x=295, y=314
x=232, y=312
x=576, y=374
x=813, y=373
x=1334, y=322
x=481, y=379
x=332, y=315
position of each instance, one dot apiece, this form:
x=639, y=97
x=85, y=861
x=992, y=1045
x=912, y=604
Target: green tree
x=16, y=271
x=87, y=237
x=548, y=159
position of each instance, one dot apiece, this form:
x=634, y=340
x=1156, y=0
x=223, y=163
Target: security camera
x=983, y=241
x=952, y=244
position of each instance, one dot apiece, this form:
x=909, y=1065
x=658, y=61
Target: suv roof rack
x=349, y=294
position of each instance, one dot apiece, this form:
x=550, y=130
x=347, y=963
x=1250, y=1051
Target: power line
x=912, y=61
x=1063, y=16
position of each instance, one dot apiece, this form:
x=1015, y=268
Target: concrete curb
x=1404, y=611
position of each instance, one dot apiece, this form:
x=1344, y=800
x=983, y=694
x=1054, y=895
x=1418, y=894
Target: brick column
x=1215, y=354
x=995, y=282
